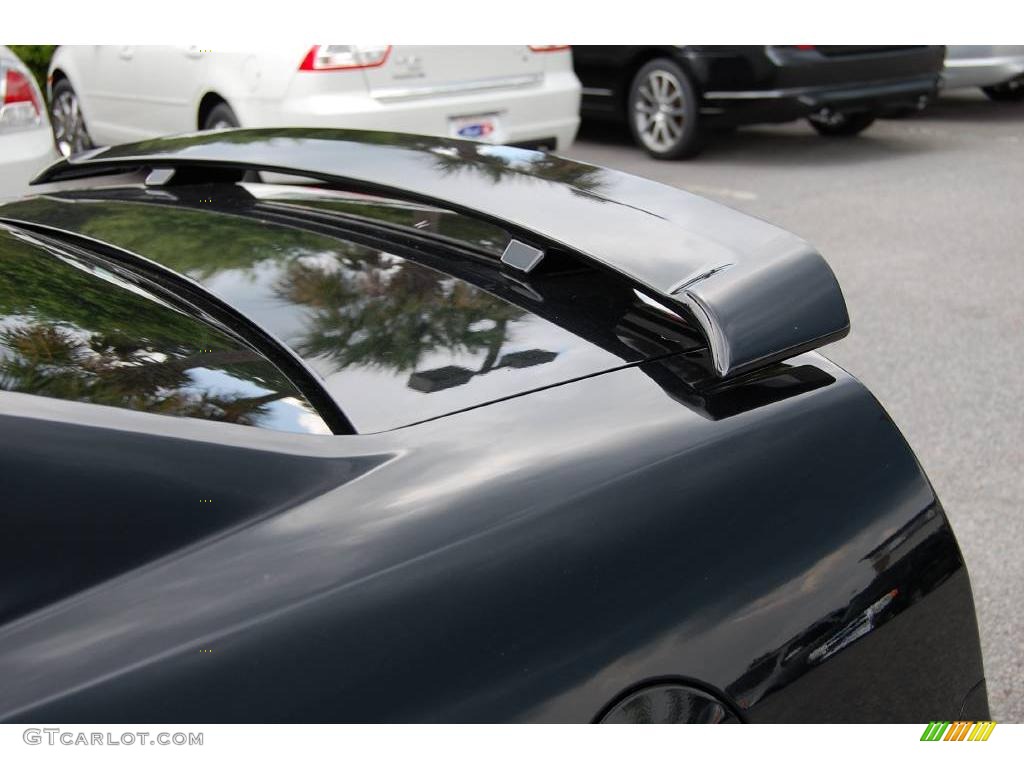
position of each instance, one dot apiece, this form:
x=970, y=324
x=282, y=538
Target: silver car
x=26, y=142
x=997, y=69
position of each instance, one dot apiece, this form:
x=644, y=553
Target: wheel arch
x=66, y=64
x=56, y=69
x=695, y=688
x=207, y=102
x=55, y=76
x=642, y=57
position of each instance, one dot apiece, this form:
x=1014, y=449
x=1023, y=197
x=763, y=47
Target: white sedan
x=997, y=69
x=26, y=144
x=517, y=94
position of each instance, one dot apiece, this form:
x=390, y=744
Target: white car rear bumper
x=23, y=154
x=528, y=114
x=981, y=72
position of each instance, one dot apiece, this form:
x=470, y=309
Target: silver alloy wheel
x=221, y=125
x=659, y=111
x=69, y=130
x=829, y=117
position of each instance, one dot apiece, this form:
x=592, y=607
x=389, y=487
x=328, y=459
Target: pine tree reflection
x=73, y=332
x=373, y=309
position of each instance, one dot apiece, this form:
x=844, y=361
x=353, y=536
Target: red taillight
x=18, y=88
x=21, y=105
x=326, y=58
x=805, y=47
x=548, y=48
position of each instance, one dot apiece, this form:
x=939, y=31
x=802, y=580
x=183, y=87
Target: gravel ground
x=922, y=220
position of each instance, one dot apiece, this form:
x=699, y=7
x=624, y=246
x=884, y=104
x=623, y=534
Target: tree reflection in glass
x=374, y=309
x=367, y=321
x=73, y=331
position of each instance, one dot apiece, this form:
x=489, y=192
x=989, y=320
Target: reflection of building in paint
x=440, y=378
x=860, y=626
x=897, y=545
x=449, y=376
x=526, y=358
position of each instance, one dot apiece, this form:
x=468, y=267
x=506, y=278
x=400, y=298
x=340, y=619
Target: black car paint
x=792, y=82
x=523, y=561
x=768, y=541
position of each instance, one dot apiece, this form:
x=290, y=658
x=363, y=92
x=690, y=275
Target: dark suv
x=672, y=96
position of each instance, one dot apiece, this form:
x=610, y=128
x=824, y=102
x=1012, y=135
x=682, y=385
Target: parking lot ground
x=922, y=220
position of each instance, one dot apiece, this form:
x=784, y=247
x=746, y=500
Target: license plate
x=474, y=127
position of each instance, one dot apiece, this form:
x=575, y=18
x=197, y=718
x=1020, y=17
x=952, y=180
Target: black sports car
x=457, y=432
x=674, y=96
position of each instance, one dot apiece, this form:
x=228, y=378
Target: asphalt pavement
x=922, y=219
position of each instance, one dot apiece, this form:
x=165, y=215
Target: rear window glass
x=72, y=330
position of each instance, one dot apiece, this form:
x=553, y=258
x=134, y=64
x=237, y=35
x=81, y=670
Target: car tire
x=1009, y=91
x=664, y=111
x=69, y=130
x=221, y=116
x=841, y=123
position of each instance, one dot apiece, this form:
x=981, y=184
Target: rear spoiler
x=759, y=293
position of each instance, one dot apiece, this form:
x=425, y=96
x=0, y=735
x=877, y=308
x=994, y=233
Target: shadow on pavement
x=971, y=106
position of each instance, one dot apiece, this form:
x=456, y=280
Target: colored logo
x=475, y=130
x=958, y=731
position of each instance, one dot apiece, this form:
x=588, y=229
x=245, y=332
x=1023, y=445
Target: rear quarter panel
x=530, y=560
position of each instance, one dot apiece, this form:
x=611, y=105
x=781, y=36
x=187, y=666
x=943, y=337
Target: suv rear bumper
x=782, y=104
